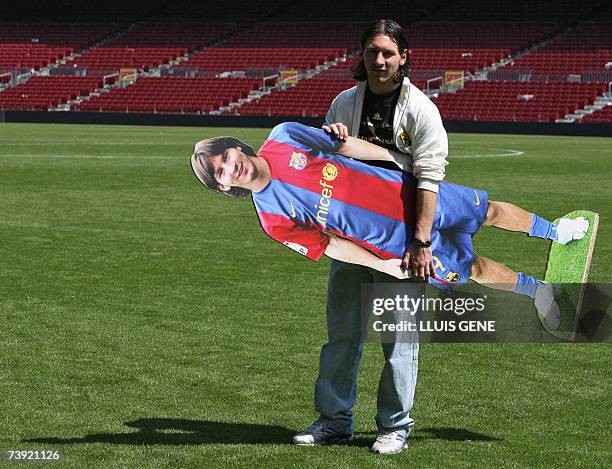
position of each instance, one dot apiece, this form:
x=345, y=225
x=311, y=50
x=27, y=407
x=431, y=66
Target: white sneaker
x=390, y=442
x=321, y=434
x=548, y=309
x=570, y=229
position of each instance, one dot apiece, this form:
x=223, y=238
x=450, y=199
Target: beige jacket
x=417, y=129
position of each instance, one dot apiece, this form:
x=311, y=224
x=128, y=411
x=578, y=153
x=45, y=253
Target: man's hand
x=418, y=259
x=393, y=267
x=338, y=130
x=418, y=256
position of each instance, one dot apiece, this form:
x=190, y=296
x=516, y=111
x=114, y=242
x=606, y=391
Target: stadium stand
x=474, y=47
x=351, y=11
x=173, y=95
x=434, y=48
x=274, y=45
x=30, y=56
x=120, y=12
x=498, y=35
x=587, y=48
x=149, y=45
x=241, y=59
x=111, y=59
x=517, y=101
x=242, y=12
x=603, y=116
x=302, y=35
x=71, y=35
x=36, y=45
x=41, y=93
x=310, y=98
x=469, y=46
x=560, y=11
x=551, y=58
x=184, y=35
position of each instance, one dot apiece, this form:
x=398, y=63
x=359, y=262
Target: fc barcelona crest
x=405, y=138
x=452, y=276
x=298, y=161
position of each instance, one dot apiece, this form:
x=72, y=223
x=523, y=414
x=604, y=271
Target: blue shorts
x=460, y=212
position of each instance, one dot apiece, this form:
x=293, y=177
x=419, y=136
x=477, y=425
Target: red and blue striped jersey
x=313, y=193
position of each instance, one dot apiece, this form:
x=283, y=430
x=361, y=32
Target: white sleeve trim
x=428, y=185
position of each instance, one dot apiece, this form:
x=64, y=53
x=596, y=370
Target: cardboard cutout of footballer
x=313, y=199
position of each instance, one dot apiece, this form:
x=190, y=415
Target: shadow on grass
x=167, y=431
x=429, y=433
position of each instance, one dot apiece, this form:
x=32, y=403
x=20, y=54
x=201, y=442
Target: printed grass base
x=568, y=270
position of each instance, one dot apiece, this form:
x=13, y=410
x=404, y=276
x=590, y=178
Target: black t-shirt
x=376, y=124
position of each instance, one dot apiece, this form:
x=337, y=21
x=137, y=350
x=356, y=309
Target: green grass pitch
x=146, y=322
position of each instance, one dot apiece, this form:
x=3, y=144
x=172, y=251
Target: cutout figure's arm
x=344, y=250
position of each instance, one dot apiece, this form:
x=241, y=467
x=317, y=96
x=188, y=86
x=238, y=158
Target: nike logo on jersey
x=438, y=264
x=477, y=198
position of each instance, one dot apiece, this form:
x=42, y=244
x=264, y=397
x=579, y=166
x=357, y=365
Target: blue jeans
x=336, y=386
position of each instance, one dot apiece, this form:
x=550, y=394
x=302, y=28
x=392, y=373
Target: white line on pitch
x=97, y=157
x=91, y=144
x=505, y=152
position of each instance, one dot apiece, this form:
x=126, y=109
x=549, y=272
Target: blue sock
x=541, y=228
x=526, y=285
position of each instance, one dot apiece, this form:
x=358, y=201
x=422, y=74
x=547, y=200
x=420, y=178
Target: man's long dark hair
x=394, y=31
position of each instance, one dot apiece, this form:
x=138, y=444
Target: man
x=387, y=110
x=303, y=192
